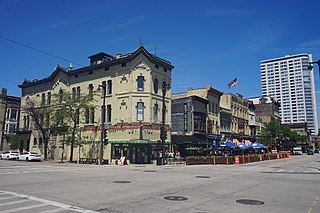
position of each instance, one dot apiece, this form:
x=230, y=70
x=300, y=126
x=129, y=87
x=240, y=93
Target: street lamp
x=103, y=120
x=314, y=62
x=163, y=132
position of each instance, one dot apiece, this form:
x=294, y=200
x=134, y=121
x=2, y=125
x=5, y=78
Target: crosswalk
x=14, y=202
x=36, y=169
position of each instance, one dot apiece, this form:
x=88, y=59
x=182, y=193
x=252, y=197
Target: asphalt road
x=285, y=185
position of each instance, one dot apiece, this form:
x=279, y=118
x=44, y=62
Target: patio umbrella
x=229, y=144
x=257, y=145
x=243, y=146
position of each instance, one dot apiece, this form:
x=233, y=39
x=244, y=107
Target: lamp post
x=163, y=132
x=103, y=120
x=314, y=62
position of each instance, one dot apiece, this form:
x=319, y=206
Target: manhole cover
x=150, y=171
x=201, y=176
x=175, y=198
x=250, y=202
x=121, y=181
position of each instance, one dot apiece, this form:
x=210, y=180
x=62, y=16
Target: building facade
x=289, y=80
x=266, y=109
x=9, y=118
x=189, y=116
x=213, y=107
x=132, y=89
x=239, y=113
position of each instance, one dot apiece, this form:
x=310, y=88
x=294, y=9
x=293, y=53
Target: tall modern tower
x=289, y=80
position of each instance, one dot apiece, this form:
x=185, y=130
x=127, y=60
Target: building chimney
x=3, y=92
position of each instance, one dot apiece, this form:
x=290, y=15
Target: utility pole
x=103, y=120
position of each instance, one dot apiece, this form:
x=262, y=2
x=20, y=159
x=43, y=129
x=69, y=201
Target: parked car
x=9, y=155
x=29, y=156
x=316, y=151
x=297, y=151
x=310, y=152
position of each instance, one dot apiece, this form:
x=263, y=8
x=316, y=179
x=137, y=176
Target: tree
x=68, y=108
x=14, y=141
x=37, y=114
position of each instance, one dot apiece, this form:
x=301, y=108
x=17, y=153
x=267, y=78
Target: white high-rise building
x=289, y=80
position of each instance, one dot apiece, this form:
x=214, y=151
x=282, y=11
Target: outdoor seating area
x=237, y=159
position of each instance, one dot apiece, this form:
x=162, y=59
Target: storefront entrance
x=140, y=153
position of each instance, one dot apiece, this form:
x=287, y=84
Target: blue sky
x=208, y=42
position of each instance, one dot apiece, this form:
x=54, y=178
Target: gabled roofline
x=127, y=58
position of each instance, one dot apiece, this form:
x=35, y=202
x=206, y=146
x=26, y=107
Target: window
x=90, y=72
x=92, y=115
x=86, y=116
x=49, y=98
x=43, y=99
x=104, y=85
x=109, y=89
x=12, y=128
x=13, y=114
x=26, y=122
x=155, y=112
x=140, y=111
x=156, y=85
x=40, y=141
x=60, y=95
x=156, y=66
x=140, y=83
x=109, y=113
x=35, y=142
x=106, y=68
x=76, y=76
x=165, y=69
x=90, y=90
x=78, y=93
x=74, y=93
x=123, y=64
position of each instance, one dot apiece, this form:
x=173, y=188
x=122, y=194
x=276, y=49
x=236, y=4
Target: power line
x=41, y=51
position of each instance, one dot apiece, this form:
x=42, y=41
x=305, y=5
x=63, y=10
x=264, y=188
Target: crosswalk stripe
x=24, y=208
x=54, y=210
x=5, y=198
x=14, y=202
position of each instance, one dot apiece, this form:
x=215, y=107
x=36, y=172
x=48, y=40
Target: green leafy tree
x=68, y=109
x=14, y=141
x=37, y=114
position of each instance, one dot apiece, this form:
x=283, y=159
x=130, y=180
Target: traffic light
x=163, y=134
x=105, y=138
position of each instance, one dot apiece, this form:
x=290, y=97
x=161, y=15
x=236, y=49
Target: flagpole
x=237, y=84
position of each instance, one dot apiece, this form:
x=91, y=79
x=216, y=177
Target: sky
x=210, y=42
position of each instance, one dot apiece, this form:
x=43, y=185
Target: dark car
x=310, y=152
x=316, y=151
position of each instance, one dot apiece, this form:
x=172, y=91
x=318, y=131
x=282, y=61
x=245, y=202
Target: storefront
x=137, y=152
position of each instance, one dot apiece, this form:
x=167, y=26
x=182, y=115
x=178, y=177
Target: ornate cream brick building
x=133, y=98
x=239, y=112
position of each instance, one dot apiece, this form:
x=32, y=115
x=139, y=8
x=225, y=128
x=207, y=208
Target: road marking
x=24, y=208
x=13, y=202
x=53, y=211
x=5, y=198
x=48, y=202
x=314, y=203
x=310, y=209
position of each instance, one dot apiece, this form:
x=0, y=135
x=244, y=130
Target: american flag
x=233, y=83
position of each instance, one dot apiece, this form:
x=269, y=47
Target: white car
x=9, y=155
x=29, y=156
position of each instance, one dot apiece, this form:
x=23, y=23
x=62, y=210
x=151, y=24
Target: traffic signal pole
x=163, y=133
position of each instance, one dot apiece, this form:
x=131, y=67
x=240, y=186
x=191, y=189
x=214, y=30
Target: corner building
x=133, y=98
x=289, y=80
